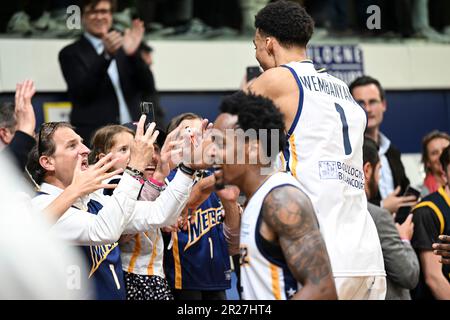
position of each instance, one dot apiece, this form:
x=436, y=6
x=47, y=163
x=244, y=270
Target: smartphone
x=403, y=212
x=253, y=72
x=147, y=109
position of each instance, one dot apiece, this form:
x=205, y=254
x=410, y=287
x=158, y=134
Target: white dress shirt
x=386, y=184
x=113, y=73
x=121, y=212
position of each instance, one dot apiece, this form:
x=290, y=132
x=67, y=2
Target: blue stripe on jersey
x=300, y=101
x=290, y=284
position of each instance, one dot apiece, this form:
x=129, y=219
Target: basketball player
x=324, y=146
x=283, y=255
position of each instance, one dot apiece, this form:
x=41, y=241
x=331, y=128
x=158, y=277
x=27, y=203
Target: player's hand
x=443, y=249
x=393, y=201
x=406, y=229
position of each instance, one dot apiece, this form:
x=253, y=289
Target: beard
x=373, y=188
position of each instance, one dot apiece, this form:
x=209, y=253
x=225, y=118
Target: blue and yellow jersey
x=105, y=266
x=198, y=258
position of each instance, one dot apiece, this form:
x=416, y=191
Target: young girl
x=142, y=253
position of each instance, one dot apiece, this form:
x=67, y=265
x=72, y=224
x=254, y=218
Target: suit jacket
x=94, y=101
x=393, y=156
x=400, y=259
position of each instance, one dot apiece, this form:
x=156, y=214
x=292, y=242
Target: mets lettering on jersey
x=205, y=220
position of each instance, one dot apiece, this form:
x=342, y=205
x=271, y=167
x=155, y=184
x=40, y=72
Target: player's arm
x=288, y=212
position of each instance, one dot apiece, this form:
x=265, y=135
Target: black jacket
x=20, y=147
x=398, y=173
x=94, y=101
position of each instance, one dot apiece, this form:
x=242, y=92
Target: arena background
x=194, y=75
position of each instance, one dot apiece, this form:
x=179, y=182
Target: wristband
x=156, y=182
x=186, y=170
x=134, y=172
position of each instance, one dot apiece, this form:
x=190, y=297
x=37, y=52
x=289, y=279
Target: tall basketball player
x=324, y=146
x=283, y=254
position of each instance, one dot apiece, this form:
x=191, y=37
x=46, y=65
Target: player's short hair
x=256, y=112
x=370, y=152
x=287, y=21
x=445, y=158
x=365, y=81
x=426, y=140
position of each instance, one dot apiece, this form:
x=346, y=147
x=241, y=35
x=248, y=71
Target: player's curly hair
x=287, y=21
x=256, y=112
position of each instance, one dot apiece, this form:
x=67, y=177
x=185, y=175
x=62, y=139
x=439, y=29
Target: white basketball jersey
x=324, y=153
x=263, y=277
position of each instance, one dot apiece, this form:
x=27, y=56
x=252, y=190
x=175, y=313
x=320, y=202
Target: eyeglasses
x=99, y=12
x=372, y=103
x=47, y=129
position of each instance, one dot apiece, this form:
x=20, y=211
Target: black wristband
x=186, y=170
x=134, y=172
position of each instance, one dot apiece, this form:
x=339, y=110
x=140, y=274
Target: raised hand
x=87, y=181
x=197, y=153
x=133, y=37
x=24, y=112
x=393, y=201
x=170, y=151
x=112, y=41
x=142, y=148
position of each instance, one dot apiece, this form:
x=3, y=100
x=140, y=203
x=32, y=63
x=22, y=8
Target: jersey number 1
x=347, y=145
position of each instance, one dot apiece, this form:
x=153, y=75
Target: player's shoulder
x=272, y=81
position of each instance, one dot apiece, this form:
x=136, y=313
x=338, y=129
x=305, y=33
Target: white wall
x=220, y=65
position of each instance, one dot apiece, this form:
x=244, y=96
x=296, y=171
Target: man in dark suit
x=105, y=75
x=368, y=92
x=400, y=259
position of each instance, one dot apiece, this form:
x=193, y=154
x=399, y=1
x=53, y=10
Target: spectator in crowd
x=105, y=75
x=33, y=264
x=52, y=164
x=431, y=219
x=197, y=264
x=400, y=260
x=141, y=254
x=17, y=124
x=369, y=93
x=432, y=146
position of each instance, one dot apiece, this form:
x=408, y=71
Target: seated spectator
x=431, y=219
x=17, y=123
x=432, y=146
x=400, y=260
x=52, y=165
